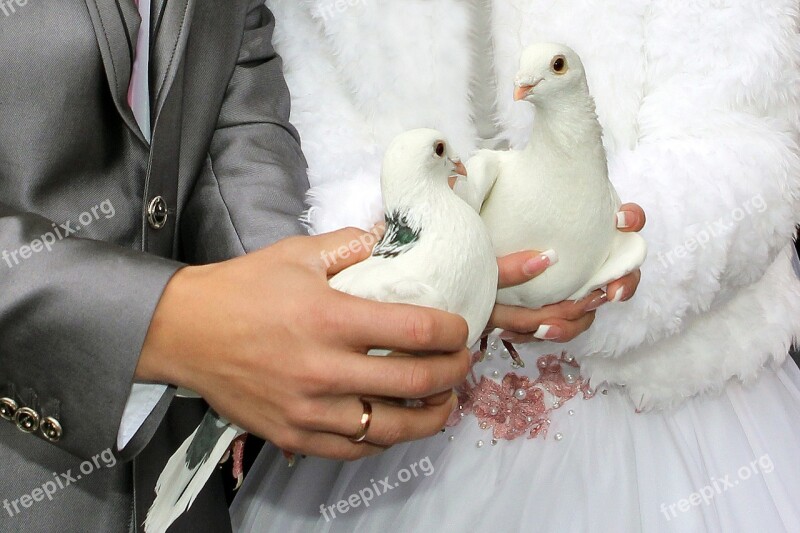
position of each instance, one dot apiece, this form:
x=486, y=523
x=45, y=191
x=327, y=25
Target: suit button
x=157, y=213
x=27, y=420
x=8, y=409
x=50, y=429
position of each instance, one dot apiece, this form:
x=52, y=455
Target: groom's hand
x=563, y=321
x=272, y=348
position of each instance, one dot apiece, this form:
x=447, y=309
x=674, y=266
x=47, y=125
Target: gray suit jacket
x=94, y=221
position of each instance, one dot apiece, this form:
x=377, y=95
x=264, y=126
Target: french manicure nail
x=597, y=303
x=618, y=295
x=548, y=333
x=540, y=263
x=622, y=220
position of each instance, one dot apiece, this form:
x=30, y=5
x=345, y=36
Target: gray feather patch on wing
x=399, y=238
x=208, y=433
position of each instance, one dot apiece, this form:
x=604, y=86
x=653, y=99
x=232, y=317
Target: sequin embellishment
x=518, y=405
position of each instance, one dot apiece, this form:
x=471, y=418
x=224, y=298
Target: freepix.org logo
x=9, y=7
x=59, y=232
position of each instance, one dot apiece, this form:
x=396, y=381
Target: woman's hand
x=563, y=321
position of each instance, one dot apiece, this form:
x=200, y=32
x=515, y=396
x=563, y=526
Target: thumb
x=344, y=248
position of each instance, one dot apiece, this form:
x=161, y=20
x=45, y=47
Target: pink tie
x=138, y=91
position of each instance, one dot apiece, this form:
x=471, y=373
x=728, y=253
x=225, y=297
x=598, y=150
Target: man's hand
x=272, y=348
x=564, y=321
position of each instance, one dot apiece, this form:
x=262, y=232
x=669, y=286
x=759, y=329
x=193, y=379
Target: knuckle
x=421, y=328
x=522, y=322
x=303, y=414
x=420, y=380
x=574, y=311
x=398, y=432
x=351, y=233
x=324, y=318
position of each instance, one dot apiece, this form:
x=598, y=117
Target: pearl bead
x=504, y=354
x=462, y=414
x=493, y=345
x=493, y=411
x=520, y=394
x=484, y=425
x=529, y=419
x=571, y=378
x=569, y=359
x=571, y=412
x=542, y=363
x=480, y=444
x=488, y=357
x=556, y=405
x=494, y=442
x=451, y=438
x=496, y=374
x=559, y=436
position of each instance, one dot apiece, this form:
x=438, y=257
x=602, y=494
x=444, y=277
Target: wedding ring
x=366, y=418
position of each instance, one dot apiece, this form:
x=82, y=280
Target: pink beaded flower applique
x=518, y=405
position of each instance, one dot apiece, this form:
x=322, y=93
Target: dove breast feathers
x=450, y=267
x=544, y=199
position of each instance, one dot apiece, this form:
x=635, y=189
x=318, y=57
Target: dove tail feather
x=179, y=485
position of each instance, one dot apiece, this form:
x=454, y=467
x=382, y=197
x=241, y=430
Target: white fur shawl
x=700, y=103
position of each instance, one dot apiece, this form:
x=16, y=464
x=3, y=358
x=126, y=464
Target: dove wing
x=384, y=283
x=482, y=171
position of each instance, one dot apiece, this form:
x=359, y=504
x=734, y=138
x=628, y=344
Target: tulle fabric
x=724, y=463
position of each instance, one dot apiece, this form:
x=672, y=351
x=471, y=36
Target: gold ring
x=366, y=418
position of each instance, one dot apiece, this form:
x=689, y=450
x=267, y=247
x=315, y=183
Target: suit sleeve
x=250, y=190
x=73, y=317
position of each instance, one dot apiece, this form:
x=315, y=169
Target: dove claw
x=483, y=347
x=514, y=354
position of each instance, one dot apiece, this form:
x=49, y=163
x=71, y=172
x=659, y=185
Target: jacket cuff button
x=27, y=420
x=50, y=429
x=8, y=408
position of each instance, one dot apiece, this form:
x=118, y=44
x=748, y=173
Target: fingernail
x=540, y=263
x=622, y=220
x=618, y=295
x=548, y=333
x=597, y=303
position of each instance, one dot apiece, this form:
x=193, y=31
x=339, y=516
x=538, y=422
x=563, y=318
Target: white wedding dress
x=601, y=467
x=694, y=425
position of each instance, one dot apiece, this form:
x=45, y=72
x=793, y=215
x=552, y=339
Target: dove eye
x=439, y=148
x=559, y=65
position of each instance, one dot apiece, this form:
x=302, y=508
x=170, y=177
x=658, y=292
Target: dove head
x=417, y=163
x=549, y=72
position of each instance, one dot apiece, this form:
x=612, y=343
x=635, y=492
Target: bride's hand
x=563, y=321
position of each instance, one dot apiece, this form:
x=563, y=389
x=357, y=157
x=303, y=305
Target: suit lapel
x=170, y=24
x=132, y=20
x=112, y=30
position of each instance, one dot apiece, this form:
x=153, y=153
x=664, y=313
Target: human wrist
x=171, y=337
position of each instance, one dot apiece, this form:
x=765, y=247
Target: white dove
x=555, y=194
x=435, y=253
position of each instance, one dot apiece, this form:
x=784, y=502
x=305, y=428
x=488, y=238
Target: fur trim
x=702, y=122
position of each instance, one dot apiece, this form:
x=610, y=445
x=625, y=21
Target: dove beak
x=521, y=92
x=459, y=170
